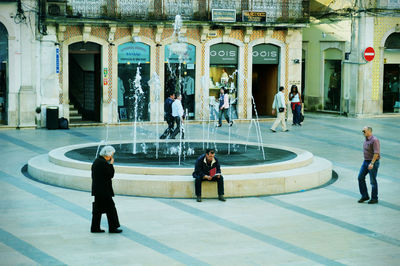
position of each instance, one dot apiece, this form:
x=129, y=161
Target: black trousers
x=104, y=205
x=178, y=128
x=220, y=182
x=170, y=129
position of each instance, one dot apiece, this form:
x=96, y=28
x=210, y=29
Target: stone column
x=294, y=43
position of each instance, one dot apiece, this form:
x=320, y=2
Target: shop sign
x=223, y=54
x=57, y=60
x=254, y=16
x=265, y=54
x=133, y=53
x=189, y=57
x=224, y=15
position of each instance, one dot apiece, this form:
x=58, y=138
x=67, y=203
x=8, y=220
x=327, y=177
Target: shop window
x=180, y=74
x=223, y=74
x=133, y=60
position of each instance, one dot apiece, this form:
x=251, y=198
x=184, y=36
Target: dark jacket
x=221, y=100
x=168, y=108
x=202, y=168
x=102, y=174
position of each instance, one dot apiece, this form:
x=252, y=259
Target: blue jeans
x=372, y=176
x=296, y=114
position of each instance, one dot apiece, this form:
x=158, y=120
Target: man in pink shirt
x=370, y=165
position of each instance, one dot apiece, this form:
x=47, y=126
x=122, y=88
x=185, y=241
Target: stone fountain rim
x=303, y=158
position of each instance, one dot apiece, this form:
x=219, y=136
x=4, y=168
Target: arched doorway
x=133, y=60
x=332, y=79
x=391, y=74
x=180, y=75
x=223, y=74
x=265, y=77
x=3, y=75
x=84, y=82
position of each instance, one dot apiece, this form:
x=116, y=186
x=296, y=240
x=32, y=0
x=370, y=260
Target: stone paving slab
x=48, y=225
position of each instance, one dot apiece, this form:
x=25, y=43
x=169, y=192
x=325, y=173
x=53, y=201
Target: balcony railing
x=277, y=11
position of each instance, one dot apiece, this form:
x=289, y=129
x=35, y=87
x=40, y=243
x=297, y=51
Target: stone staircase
x=74, y=116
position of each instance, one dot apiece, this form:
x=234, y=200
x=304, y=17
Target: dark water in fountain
x=168, y=154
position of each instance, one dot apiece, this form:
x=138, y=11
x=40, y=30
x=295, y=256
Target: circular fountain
x=164, y=168
x=245, y=171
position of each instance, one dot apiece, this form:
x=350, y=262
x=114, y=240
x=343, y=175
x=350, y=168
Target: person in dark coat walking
x=102, y=174
x=207, y=168
x=168, y=116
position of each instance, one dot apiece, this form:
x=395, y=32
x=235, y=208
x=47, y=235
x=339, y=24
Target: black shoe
x=286, y=130
x=221, y=198
x=198, y=199
x=293, y=124
x=115, y=231
x=299, y=125
x=373, y=201
x=230, y=123
x=272, y=130
x=96, y=231
x=219, y=125
x=362, y=200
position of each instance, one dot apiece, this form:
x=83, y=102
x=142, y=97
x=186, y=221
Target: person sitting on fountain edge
x=207, y=168
x=178, y=114
x=168, y=115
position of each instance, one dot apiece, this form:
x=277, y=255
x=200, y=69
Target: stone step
x=75, y=118
x=73, y=112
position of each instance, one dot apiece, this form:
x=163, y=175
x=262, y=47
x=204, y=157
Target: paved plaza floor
x=48, y=225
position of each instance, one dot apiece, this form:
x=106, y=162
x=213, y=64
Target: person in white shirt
x=279, y=108
x=223, y=107
x=295, y=103
x=177, y=113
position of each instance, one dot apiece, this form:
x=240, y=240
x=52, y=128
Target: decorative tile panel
x=382, y=26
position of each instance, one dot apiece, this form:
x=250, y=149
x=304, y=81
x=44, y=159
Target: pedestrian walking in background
x=370, y=166
x=278, y=108
x=224, y=106
x=295, y=102
x=178, y=114
x=168, y=115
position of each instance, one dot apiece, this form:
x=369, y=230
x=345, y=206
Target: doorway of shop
x=264, y=88
x=391, y=88
x=332, y=85
x=84, y=82
x=391, y=74
x=3, y=75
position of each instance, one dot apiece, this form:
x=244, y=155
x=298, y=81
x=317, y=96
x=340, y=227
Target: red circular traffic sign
x=369, y=54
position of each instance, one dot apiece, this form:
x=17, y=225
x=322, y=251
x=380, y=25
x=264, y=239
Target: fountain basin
x=293, y=170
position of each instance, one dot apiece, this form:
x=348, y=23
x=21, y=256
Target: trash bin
x=52, y=117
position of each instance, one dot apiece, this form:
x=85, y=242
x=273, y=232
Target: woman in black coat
x=102, y=174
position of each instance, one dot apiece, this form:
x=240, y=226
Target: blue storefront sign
x=189, y=57
x=133, y=53
x=57, y=60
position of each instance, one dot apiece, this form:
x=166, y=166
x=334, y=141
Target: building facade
x=337, y=76
x=19, y=63
x=94, y=59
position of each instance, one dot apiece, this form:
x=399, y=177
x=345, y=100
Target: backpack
x=63, y=123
